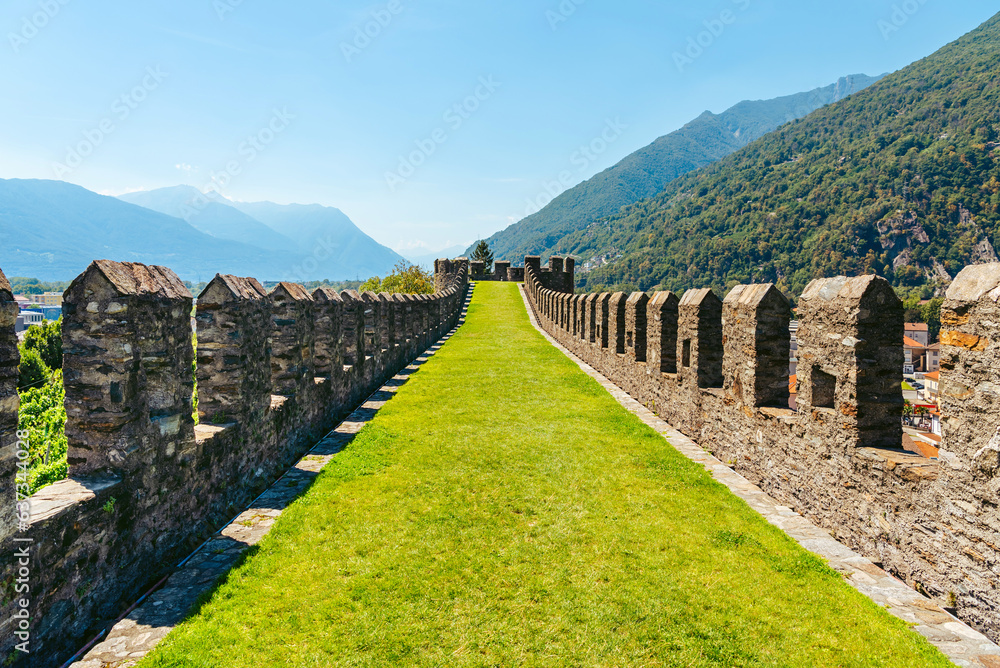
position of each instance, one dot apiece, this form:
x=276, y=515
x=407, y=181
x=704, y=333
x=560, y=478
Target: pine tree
x=483, y=254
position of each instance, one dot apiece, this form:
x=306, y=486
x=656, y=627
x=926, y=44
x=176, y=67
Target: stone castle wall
x=718, y=371
x=147, y=484
x=558, y=275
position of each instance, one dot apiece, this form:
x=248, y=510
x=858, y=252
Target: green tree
x=931, y=314
x=47, y=341
x=32, y=372
x=482, y=253
x=405, y=279
x=32, y=286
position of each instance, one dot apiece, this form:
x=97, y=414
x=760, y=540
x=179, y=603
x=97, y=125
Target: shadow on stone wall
x=718, y=371
x=275, y=372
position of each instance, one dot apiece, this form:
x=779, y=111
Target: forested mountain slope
x=645, y=172
x=901, y=179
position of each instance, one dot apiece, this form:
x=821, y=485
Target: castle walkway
x=503, y=509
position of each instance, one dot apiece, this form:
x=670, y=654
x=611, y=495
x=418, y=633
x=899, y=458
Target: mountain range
x=901, y=179
x=644, y=173
x=52, y=230
x=323, y=241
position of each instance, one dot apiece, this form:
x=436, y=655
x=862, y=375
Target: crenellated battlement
x=275, y=371
x=717, y=369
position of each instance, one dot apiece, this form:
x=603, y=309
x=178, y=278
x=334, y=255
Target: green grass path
x=504, y=510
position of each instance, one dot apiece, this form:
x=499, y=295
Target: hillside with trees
x=901, y=179
x=645, y=172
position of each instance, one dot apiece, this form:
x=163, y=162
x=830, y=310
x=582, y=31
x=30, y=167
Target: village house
x=913, y=353
x=918, y=331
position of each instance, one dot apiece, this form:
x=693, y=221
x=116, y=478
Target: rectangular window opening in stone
x=824, y=389
x=686, y=354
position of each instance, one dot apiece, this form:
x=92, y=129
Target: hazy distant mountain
x=325, y=237
x=426, y=260
x=706, y=139
x=52, y=230
x=309, y=242
x=212, y=215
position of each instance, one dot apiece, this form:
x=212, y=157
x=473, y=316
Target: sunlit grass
x=504, y=510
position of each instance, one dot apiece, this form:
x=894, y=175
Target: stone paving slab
x=962, y=644
x=132, y=637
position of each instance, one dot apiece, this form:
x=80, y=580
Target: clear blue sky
x=559, y=71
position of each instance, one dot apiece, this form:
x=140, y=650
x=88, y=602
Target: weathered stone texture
x=757, y=343
x=412, y=319
x=399, y=334
x=127, y=366
x=635, y=326
x=589, y=318
x=602, y=316
x=293, y=339
x=234, y=354
x=450, y=273
x=850, y=358
x=558, y=276
x=328, y=317
x=616, y=322
x=699, y=339
x=353, y=328
x=9, y=404
x=970, y=452
x=661, y=331
x=370, y=317
x=386, y=326
x=970, y=371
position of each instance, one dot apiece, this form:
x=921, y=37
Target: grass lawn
x=907, y=387
x=504, y=510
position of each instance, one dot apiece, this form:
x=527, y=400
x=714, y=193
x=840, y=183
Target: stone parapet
x=146, y=483
x=718, y=371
